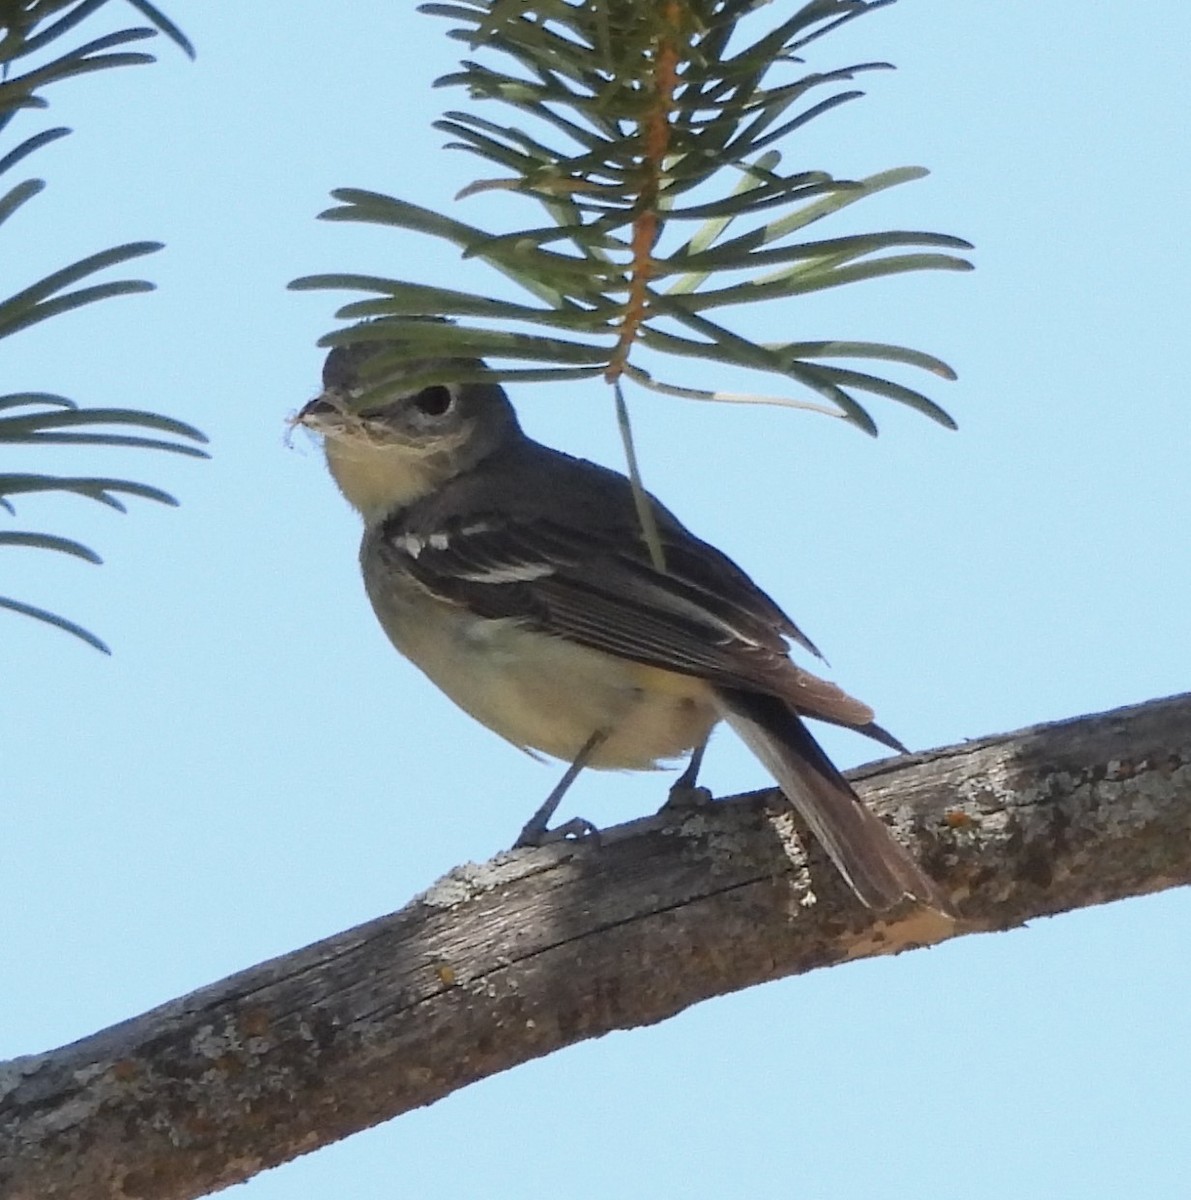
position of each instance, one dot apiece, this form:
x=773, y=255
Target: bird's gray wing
x=596, y=585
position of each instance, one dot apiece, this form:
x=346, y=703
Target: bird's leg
x=536, y=832
x=685, y=791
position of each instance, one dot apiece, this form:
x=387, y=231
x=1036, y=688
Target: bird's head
x=393, y=433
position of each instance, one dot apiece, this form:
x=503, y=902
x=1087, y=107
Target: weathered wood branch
x=500, y=963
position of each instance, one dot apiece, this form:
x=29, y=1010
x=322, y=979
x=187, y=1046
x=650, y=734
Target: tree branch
x=500, y=963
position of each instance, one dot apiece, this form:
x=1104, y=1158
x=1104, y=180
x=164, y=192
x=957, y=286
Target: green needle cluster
x=650, y=141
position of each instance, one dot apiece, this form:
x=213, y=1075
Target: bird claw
x=685, y=796
x=575, y=830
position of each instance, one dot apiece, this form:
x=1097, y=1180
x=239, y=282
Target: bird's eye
x=433, y=401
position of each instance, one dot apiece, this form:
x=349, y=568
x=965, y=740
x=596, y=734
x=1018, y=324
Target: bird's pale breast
x=541, y=692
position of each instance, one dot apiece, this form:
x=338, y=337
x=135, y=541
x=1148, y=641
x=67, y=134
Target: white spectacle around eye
x=434, y=401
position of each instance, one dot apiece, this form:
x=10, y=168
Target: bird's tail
x=878, y=868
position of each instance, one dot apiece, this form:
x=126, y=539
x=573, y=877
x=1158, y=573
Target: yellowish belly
x=547, y=694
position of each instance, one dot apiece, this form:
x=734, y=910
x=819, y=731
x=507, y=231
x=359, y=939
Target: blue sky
x=255, y=768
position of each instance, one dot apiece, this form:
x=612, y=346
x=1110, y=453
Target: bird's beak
x=322, y=413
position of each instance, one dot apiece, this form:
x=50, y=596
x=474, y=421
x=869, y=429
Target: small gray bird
x=519, y=580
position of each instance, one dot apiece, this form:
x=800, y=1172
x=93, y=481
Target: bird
x=520, y=581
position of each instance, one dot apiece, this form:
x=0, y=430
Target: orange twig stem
x=654, y=138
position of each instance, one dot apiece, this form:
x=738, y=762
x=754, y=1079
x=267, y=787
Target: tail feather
x=874, y=863
x=871, y=730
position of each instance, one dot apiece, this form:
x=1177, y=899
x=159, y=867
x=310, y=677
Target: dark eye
x=433, y=401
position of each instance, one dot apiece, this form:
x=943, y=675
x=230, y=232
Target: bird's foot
x=575, y=830
x=687, y=795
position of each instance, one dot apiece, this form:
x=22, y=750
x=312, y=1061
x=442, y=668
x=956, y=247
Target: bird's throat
x=381, y=479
